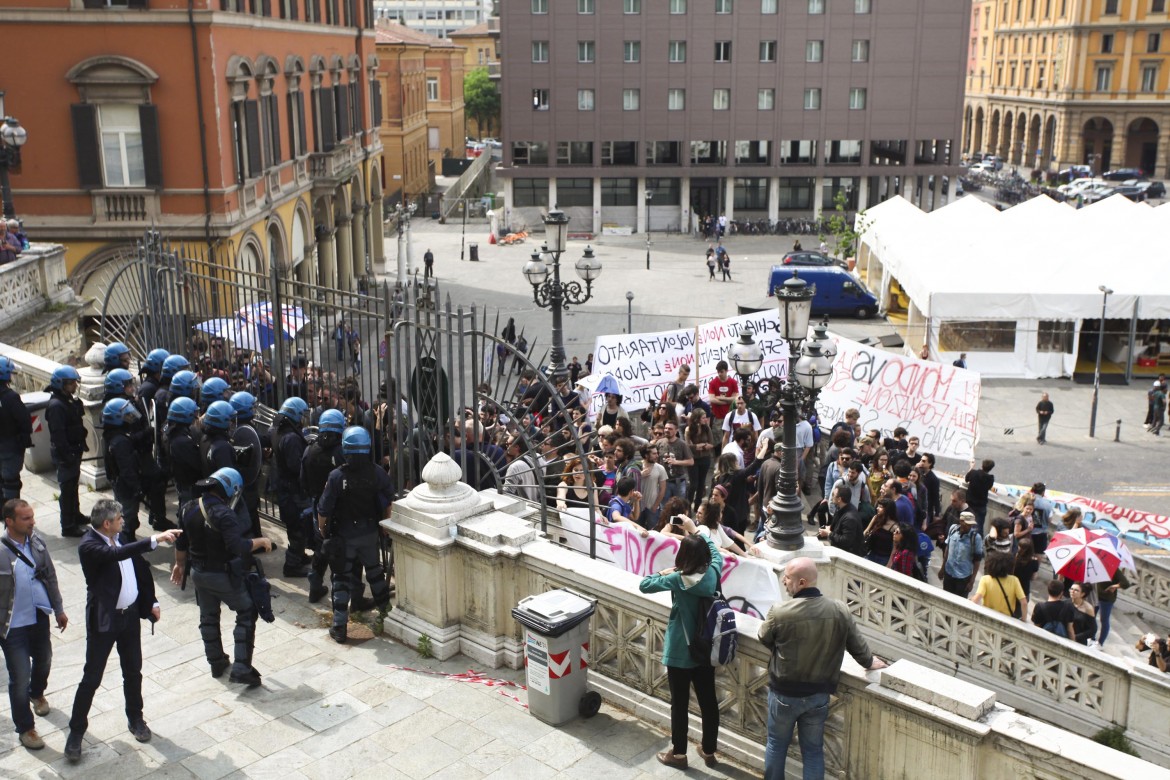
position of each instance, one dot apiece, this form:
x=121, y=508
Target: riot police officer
x=288, y=447
x=215, y=449
x=357, y=496
x=119, y=419
x=244, y=404
x=119, y=383
x=214, y=389
x=321, y=457
x=117, y=355
x=183, y=459
x=151, y=373
x=162, y=396
x=15, y=432
x=65, y=416
x=218, y=554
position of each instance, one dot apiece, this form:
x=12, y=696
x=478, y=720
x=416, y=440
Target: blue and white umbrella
x=600, y=384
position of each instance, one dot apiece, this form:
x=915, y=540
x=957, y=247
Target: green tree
x=481, y=99
x=844, y=231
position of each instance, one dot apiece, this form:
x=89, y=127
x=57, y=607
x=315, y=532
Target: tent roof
x=1040, y=259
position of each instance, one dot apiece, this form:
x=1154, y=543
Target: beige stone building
x=1052, y=83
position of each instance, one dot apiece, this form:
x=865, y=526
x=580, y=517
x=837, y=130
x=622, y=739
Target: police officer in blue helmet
x=288, y=447
x=65, y=416
x=357, y=498
x=117, y=355
x=119, y=419
x=321, y=457
x=15, y=431
x=216, y=553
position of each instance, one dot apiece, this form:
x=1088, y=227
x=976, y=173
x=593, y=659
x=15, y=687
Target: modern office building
x=1062, y=82
x=246, y=127
x=439, y=18
x=623, y=110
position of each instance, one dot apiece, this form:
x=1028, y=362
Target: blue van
x=838, y=291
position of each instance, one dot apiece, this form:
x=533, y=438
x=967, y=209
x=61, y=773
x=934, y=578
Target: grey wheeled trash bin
x=556, y=648
x=473, y=252
x=37, y=458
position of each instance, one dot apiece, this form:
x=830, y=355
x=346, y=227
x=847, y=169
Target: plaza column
x=818, y=195
x=640, y=207
x=377, y=237
x=359, y=239
x=509, y=189
x=729, y=198
x=952, y=188
x=684, y=204
x=863, y=191
x=1163, y=157
x=1117, y=147
x=596, y=205
x=773, y=198
x=552, y=193
x=1062, y=152
x=327, y=257
x=344, y=254
x=936, y=201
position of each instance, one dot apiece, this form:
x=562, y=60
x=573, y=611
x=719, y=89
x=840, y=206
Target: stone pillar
x=863, y=192
x=729, y=198
x=359, y=240
x=552, y=192
x=90, y=390
x=641, y=207
x=409, y=249
x=773, y=198
x=459, y=595
x=936, y=200
x=818, y=196
x=684, y=204
x=344, y=254
x=1117, y=148
x=377, y=237
x=327, y=254
x=596, y=230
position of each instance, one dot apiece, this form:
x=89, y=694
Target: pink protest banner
x=750, y=585
x=938, y=403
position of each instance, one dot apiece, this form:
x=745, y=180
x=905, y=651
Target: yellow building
x=482, y=43
x=1053, y=83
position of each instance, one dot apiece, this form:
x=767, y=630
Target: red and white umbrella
x=1123, y=551
x=1084, y=555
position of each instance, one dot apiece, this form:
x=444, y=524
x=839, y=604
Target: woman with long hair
x=664, y=413
x=694, y=576
x=734, y=481
x=1072, y=518
x=575, y=489
x=698, y=437
x=879, y=534
x=1025, y=566
x=675, y=507
x=1084, y=617
x=624, y=430
x=879, y=474
x=726, y=538
x=905, y=550
x=999, y=589
x=609, y=414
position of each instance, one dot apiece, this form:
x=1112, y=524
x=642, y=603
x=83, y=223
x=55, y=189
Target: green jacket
x=1119, y=578
x=808, y=636
x=685, y=590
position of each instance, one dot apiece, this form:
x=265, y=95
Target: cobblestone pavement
x=324, y=711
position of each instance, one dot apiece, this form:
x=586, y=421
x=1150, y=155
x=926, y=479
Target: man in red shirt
x=721, y=392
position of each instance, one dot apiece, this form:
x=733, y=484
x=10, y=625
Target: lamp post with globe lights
x=553, y=294
x=12, y=137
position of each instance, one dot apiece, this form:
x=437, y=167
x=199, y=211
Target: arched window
x=115, y=126
x=267, y=72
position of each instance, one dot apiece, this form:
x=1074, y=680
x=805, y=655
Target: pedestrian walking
x=694, y=576
x=28, y=593
x=339, y=337
x=65, y=416
x=1044, y=411
x=428, y=264
x=725, y=266
x=119, y=594
x=808, y=636
x=1160, y=382
x=1157, y=405
x=710, y=263
x=15, y=432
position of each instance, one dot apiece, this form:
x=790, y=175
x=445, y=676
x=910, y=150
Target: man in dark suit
x=119, y=594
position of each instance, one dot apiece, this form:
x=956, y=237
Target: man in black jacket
x=15, y=432
x=65, y=416
x=119, y=594
x=846, y=530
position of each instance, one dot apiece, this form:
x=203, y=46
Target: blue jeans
x=784, y=714
x=11, y=462
x=1104, y=612
x=28, y=654
x=675, y=487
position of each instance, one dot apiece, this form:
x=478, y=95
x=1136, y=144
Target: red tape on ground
x=470, y=676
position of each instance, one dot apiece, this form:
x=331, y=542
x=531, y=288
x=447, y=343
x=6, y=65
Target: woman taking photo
x=694, y=576
x=879, y=535
x=698, y=436
x=999, y=589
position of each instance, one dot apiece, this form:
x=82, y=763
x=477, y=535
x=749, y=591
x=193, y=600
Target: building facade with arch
x=1054, y=83
x=245, y=128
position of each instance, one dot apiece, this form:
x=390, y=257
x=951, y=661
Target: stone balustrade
x=463, y=559
x=34, y=280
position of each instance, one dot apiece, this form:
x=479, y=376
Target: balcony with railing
x=126, y=206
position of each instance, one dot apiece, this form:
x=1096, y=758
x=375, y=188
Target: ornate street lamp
x=404, y=213
x=553, y=294
x=649, y=195
x=746, y=357
x=12, y=137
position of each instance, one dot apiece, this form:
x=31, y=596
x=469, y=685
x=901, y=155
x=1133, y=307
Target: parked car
x=1074, y=172
x=1132, y=190
x=995, y=160
x=1153, y=189
x=1121, y=174
x=1094, y=193
x=1078, y=187
x=983, y=167
x=811, y=258
x=474, y=149
x=837, y=290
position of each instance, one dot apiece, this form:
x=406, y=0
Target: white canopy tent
x=1012, y=288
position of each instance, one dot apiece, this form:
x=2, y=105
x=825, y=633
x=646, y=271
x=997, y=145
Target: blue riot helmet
x=173, y=365
x=154, y=361
x=245, y=405
x=219, y=416
x=7, y=369
x=61, y=375
x=294, y=409
x=230, y=480
x=331, y=421
x=213, y=390
x=355, y=441
x=114, y=353
x=115, y=381
x=185, y=384
x=182, y=410
x=119, y=412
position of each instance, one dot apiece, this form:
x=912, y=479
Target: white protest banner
x=937, y=403
x=750, y=585
x=643, y=363
x=1133, y=524
x=716, y=338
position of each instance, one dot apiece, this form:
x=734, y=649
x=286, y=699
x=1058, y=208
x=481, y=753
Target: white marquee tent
x=1012, y=288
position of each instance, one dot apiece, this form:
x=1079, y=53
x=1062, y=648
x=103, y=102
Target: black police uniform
x=251, y=489
x=183, y=461
x=15, y=438
x=288, y=447
x=355, y=500
x=122, y=469
x=154, y=480
x=65, y=416
x=162, y=403
x=320, y=459
x=219, y=553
